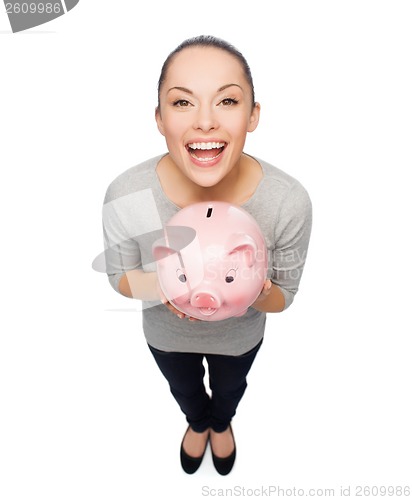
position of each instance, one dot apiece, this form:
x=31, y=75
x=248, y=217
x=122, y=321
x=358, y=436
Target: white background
x=85, y=413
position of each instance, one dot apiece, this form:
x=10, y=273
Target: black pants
x=227, y=381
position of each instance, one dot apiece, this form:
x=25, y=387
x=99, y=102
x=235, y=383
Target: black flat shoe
x=190, y=464
x=224, y=465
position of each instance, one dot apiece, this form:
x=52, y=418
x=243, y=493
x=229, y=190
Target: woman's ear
x=159, y=121
x=254, y=117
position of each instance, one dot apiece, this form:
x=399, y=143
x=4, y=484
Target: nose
x=205, y=119
x=205, y=299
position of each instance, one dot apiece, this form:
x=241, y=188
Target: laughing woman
x=206, y=106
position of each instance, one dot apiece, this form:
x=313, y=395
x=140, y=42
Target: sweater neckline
x=244, y=205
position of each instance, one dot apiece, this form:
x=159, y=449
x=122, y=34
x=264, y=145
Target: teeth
x=206, y=145
x=204, y=159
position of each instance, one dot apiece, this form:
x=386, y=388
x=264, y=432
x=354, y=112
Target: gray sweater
x=134, y=212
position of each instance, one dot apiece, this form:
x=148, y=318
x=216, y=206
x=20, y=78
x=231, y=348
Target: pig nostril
x=205, y=300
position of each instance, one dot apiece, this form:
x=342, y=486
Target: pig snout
x=207, y=303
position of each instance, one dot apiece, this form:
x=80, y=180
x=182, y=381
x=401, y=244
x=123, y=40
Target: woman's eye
x=229, y=101
x=181, y=103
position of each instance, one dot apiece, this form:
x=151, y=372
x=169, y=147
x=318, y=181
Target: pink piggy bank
x=212, y=262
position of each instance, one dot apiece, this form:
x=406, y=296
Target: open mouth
x=205, y=151
x=207, y=311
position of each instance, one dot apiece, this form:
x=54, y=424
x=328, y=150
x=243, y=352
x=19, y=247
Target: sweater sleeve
x=130, y=222
x=292, y=234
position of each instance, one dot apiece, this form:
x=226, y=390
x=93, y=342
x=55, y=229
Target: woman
x=206, y=107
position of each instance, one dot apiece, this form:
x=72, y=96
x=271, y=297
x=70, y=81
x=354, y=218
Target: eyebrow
x=188, y=91
x=229, y=85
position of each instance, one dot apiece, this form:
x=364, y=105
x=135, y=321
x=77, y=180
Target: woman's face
x=205, y=113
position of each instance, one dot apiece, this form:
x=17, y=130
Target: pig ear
x=176, y=239
x=160, y=250
x=243, y=244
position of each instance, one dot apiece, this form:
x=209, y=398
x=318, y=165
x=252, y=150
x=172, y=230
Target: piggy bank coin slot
x=209, y=212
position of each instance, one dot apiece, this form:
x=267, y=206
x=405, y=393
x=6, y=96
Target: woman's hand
x=267, y=285
x=271, y=298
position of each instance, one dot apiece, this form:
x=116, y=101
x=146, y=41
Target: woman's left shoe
x=224, y=465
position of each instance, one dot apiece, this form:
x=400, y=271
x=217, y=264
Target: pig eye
x=230, y=276
x=181, y=276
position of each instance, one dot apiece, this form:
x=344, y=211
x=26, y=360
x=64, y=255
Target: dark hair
x=207, y=41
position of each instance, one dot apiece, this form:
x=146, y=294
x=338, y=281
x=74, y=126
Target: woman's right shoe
x=190, y=464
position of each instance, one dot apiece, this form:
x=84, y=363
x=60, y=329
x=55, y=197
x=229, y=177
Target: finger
x=172, y=308
x=163, y=298
x=175, y=311
x=266, y=288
